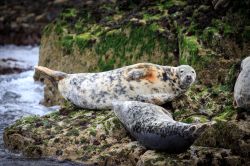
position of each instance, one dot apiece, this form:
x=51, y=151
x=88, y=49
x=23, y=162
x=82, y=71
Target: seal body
x=242, y=86
x=144, y=82
x=154, y=127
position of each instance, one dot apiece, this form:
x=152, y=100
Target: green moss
x=113, y=41
x=54, y=115
x=188, y=120
x=69, y=13
x=48, y=29
x=231, y=77
x=142, y=38
x=92, y=131
x=178, y=113
x=209, y=33
x=193, y=28
x=82, y=41
x=149, y=17
x=90, y=148
x=114, y=47
x=79, y=26
x=227, y=113
x=192, y=119
x=67, y=43
x=30, y=119
x=189, y=48
x=47, y=124
x=203, y=119
x=73, y=132
x=228, y=30
x=155, y=27
x=58, y=29
x=225, y=27
x=170, y=3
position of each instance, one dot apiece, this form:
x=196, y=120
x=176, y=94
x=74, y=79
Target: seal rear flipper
x=196, y=130
x=52, y=75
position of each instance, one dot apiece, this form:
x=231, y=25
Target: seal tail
x=52, y=75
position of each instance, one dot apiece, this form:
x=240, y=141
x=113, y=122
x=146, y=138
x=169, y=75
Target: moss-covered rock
x=231, y=135
x=110, y=35
x=90, y=137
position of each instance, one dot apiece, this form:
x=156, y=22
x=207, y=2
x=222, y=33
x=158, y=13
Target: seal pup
x=154, y=127
x=242, y=86
x=144, y=82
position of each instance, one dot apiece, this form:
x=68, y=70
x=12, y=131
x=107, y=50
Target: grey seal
x=144, y=82
x=154, y=127
x=242, y=86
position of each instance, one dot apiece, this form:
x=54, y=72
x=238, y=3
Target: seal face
x=242, y=86
x=154, y=127
x=144, y=82
x=187, y=75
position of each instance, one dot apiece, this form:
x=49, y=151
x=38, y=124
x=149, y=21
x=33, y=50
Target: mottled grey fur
x=242, y=86
x=154, y=126
x=144, y=82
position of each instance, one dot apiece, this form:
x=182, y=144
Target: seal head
x=187, y=76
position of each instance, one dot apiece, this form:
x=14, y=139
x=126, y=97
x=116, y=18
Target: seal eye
x=192, y=71
x=182, y=71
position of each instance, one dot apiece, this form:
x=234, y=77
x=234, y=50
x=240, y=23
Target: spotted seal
x=154, y=127
x=144, y=82
x=242, y=86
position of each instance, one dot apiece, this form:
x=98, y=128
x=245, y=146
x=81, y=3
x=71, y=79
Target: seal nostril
x=189, y=77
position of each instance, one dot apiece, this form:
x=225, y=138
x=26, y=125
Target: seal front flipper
x=52, y=75
x=158, y=99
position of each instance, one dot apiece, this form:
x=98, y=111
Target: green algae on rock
x=112, y=35
x=90, y=137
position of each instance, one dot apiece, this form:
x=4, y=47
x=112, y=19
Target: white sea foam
x=20, y=95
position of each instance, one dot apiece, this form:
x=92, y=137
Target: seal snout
x=189, y=78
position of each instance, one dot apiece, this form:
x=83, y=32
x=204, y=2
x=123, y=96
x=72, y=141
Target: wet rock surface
x=20, y=96
x=35, y=162
x=10, y=66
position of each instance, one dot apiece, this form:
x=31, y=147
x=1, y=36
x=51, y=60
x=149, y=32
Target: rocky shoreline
x=114, y=34
x=98, y=137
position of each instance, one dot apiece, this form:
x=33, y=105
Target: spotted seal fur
x=154, y=127
x=242, y=86
x=144, y=82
